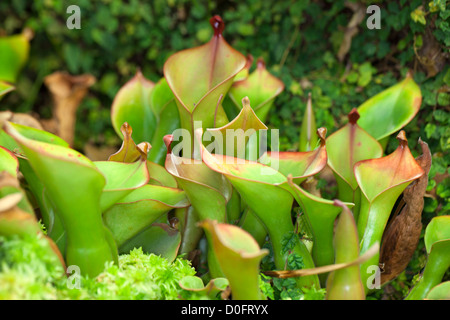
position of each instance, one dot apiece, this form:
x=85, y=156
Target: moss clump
x=28, y=272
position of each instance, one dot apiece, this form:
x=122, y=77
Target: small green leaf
x=365, y=74
x=288, y=242
x=295, y=262
x=418, y=15
x=265, y=287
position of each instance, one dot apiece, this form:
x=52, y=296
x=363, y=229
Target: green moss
x=28, y=272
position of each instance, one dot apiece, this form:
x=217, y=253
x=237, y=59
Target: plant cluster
x=117, y=36
x=191, y=178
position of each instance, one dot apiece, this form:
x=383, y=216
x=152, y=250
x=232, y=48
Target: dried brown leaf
x=10, y=201
x=67, y=92
x=431, y=56
x=20, y=118
x=98, y=153
x=359, y=13
x=402, y=234
x=310, y=185
x=324, y=269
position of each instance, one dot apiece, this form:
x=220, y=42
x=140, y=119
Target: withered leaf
x=359, y=13
x=284, y=274
x=67, y=92
x=431, y=56
x=310, y=185
x=20, y=118
x=402, y=235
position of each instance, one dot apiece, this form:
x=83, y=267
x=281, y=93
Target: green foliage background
x=299, y=41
